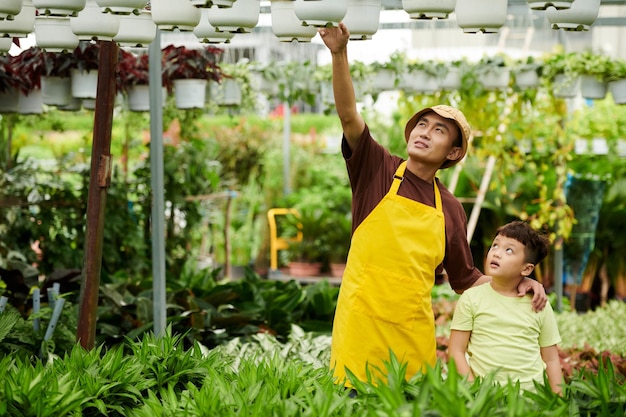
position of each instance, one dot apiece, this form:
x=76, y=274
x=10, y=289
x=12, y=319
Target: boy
x=499, y=330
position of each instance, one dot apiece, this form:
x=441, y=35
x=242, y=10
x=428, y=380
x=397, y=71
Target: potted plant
x=235, y=87
x=186, y=72
x=560, y=72
x=86, y=59
x=339, y=233
x=616, y=78
x=527, y=72
x=452, y=74
x=133, y=76
x=493, y=72
x=8, y=86
x=28, y=68
x=386, y=75
x=593, y=70
x=421, y=77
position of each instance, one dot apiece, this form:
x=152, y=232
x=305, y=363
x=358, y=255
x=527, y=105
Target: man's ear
x=455, y=153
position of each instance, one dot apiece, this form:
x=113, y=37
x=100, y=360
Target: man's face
x=431, y=140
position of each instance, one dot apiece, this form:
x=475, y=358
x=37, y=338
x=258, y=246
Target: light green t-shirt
x=506, y=334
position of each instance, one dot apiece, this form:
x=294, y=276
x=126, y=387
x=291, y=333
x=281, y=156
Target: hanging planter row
x=35, y=78
x=59, y=25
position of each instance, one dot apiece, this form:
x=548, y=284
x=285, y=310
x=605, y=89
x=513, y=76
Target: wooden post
x=99, y=182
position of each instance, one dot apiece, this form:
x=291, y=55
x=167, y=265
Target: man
x=405, y=226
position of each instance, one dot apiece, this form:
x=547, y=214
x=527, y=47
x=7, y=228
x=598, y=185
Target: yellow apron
x=385, y=298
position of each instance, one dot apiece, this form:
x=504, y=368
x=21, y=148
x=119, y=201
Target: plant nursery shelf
x=280, y=276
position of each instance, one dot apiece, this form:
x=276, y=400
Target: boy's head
x=536, y=245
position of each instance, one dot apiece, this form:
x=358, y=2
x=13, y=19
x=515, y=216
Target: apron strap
x=399, y=176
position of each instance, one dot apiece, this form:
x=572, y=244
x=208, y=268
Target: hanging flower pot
x=59, y=7
x=242, y=17
x=580, y=16
x=136, y=30
x=9, y=9
x=56, y=91
x=383, y=79
x=428, y=9
x=74, y=105
x=362, y=18
x=618, y=90
x=526, y=78
x=565, y=86
x=593, y=88
x=122, y=6
x=228, y=93
x=179, y=15
x=92, y=24
x=22, y=24
x=139, y=97
x=420, y=78
x=206, y=33
x=30, y=103
x=486, y=16
x=543, y=5
x=9, y=101
x=452, y=78
x=84, y=83
x=190, y=93
x=54, y=34
x=321, y=12
x=286, y=25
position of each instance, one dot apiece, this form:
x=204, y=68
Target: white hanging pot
x=419, y=81
x=139, y=97
x=565, y=87
x=486, y=16
x=321, y=13
x=452, y=79
x=89, y=103
x=56, y=91
x=209, y=3
x=9, y=101
x=526, y=78
x=22, y=24
x=543, y=5
x=122, y=6
x=593, y=88
x=228, y=92
x=92, y=24
x=362, y=18
x=428, y=9
x=59, y=7
x=30, y=103
x=495, y=78
x=242, y=17
x=74, y=105
x=84, y=83
x=190, y=93
x=171, y=15
x=286, y=25
x=136, y=31
x=618, y=91
x=9, y=9
x=54, y=34
x=206, y=33
x=580, y=16
x=384, y=79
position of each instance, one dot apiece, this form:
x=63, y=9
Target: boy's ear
x=528, y=269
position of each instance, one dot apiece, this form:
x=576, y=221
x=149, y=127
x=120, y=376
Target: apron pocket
x=390, y=297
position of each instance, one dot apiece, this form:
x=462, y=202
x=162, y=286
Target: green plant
x=180, y=62
x=617, y=70
x=590, y=63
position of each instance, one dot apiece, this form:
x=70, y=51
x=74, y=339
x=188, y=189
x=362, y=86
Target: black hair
x=536, y=244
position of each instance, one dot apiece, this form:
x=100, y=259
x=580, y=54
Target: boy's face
x=506, y=259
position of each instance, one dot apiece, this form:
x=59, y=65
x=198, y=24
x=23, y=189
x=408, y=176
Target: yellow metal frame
x=280, y=243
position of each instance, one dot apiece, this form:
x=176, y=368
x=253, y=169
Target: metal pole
x=99, y=182
x=286, y=151
x=558, y=273
x=158, y=187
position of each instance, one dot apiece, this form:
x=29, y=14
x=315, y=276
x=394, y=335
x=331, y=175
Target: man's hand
x=539, y=293
x=335, y=38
